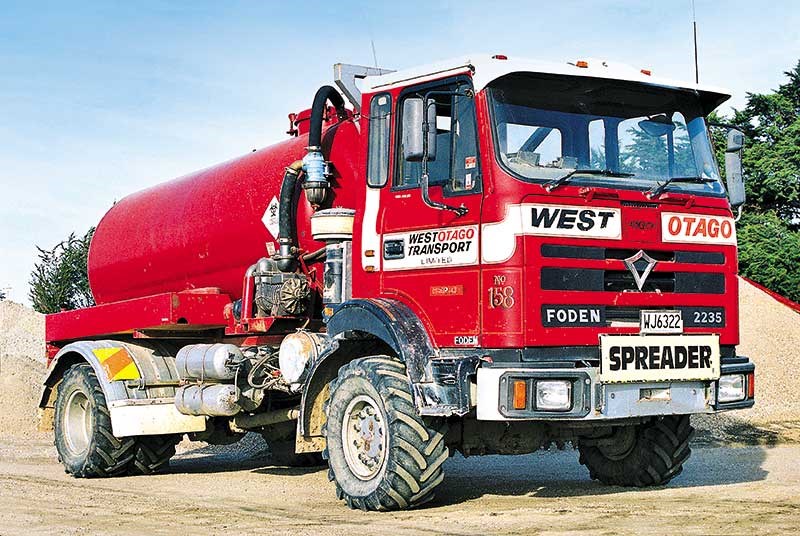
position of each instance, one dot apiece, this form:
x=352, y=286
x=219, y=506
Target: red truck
x=485, y=256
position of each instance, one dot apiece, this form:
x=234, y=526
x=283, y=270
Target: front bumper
x=592, y=400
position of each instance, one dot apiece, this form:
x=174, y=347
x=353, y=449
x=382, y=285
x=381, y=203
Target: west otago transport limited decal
x=431, y=248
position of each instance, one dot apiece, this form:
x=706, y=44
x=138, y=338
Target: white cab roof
x=487, y=68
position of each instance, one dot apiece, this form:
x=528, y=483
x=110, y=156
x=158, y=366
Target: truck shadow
x=725, y=451
x=732, y=453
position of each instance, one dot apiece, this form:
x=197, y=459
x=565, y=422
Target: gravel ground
x=770, y=335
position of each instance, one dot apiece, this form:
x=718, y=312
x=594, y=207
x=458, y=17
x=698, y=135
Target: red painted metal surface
x=206, y=229
x=171, y=310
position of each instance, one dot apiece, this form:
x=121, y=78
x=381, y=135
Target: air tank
x=205, y=229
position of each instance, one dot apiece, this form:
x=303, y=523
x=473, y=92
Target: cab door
x=430, y=256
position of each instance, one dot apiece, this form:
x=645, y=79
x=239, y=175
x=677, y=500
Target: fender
x=138, y=383
x=392, y=322
x=394, y=326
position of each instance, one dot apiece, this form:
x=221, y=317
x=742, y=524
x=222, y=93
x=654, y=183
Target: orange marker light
x=582, y=64
x=646, y=72
x=751, y=385
x=520, y=394
x=369, y=253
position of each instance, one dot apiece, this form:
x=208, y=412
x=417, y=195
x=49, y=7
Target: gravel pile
x=770, y=335
x=22, y=359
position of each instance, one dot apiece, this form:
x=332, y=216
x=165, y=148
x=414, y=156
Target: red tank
x=205, y=229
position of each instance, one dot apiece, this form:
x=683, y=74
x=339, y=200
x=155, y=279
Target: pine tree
x=59, y=280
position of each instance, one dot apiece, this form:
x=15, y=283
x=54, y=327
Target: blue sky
x=100, y=99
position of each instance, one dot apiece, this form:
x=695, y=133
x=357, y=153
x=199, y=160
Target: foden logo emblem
x=640, y=265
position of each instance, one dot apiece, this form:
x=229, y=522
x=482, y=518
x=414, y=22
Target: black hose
x=324, y=94
x=287, y=225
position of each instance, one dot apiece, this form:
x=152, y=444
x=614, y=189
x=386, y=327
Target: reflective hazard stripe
x=117, y=363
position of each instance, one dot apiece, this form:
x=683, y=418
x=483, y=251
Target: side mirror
x=417, y=120
x=733, y=167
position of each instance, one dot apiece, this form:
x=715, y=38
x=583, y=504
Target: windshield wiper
x=659, y=188
x=555, y=183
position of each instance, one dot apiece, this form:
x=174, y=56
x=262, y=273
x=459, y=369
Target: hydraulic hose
x=315, y=183
x=323, y=95
x=287, y=220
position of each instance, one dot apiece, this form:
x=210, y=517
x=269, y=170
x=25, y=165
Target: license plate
x=658, y=358
x=660, y=322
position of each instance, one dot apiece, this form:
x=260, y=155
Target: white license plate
x=660, y=322
x=659, y=358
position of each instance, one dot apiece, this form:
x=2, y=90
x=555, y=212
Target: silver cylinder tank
x=217, y=362
x=213, y=400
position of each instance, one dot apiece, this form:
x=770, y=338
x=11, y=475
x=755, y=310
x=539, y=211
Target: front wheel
x=381, y=454
x=641, y=455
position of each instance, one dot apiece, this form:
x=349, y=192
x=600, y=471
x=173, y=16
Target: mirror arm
x=460, y=211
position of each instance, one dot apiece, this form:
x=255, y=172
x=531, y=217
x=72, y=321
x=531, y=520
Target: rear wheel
x=381, y=454
x=83, y=437
x=153, y=454
x=648, y=454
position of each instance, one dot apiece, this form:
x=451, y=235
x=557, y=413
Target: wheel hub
x=364, y=437
x=78, y=422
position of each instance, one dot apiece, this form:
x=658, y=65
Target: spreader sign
x=659, y=358
x=697, y=228
x=431, y=248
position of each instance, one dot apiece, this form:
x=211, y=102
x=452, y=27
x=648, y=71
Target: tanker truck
x=482, y=256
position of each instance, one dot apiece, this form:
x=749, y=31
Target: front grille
x=594, y=280
x=622, y=281
x=598, y=253
x=638, y=204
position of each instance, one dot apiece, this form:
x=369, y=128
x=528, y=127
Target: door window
x=456, y=166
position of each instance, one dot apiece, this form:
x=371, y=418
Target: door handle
x=394, y=249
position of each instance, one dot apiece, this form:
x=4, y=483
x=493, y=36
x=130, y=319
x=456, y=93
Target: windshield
x=622, y=134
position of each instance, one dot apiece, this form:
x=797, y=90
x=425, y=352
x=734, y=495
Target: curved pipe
x=323, y=95
x=287, y=224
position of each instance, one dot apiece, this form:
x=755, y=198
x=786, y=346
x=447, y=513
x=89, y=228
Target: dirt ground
x=743, y=478
x=723, y=490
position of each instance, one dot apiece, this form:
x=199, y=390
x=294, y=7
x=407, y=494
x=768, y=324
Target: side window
x=380, y=111
x=464, y=176
x=456, y=164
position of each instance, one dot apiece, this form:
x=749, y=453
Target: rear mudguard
x=138, y=382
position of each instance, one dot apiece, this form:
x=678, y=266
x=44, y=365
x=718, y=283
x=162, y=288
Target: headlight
x=553, y=395
x=731, y=388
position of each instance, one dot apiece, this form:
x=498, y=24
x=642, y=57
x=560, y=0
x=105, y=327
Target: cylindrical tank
x=218, y=400
x=205, y=229
x=218, y=361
